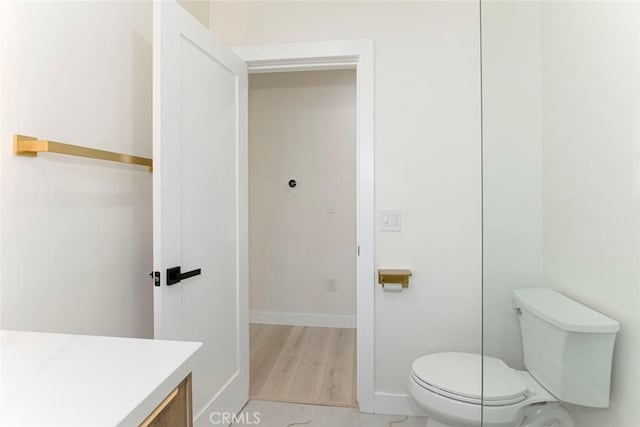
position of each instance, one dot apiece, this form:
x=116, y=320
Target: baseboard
x=303, y=319
x=396, y=404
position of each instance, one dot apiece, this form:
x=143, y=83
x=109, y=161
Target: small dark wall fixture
x=292, y=183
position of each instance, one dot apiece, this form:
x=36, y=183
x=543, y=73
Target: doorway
x=213, y=89
x=302, y=236
x=340, y=55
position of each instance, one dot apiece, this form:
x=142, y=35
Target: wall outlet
x=331, y=284
x=330, y=206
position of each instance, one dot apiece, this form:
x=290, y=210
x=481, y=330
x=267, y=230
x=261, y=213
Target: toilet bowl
x=568, y=352
x=448, y=386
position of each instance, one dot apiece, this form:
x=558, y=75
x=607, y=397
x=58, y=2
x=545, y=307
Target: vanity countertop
x=79, y=380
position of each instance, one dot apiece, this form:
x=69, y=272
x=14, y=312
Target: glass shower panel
x=561, y=213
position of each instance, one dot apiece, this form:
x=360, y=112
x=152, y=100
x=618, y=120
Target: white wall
x=302, y=126
x=573, y=68
x=198, y=8
x=512, y=173
x=75, y=234
x=591, y=214
x=427, y=157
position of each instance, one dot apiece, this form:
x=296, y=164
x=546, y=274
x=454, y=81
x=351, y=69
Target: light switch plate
x=390, y=220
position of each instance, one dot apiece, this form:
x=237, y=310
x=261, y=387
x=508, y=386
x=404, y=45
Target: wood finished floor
x=302, y=364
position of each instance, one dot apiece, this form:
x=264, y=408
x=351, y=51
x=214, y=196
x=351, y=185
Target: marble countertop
x=79, y=380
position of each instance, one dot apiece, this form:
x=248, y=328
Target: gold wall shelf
x=30, y=146
x=394, y=276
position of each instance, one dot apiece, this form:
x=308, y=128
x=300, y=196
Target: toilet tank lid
x=563, y=312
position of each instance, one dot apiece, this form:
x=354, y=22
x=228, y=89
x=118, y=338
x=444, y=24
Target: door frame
x=336, y=55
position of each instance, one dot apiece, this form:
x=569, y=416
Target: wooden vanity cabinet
x=175, y=410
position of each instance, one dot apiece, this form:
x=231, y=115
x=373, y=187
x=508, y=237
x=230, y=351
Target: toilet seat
x=459, y=376
x=449, y=386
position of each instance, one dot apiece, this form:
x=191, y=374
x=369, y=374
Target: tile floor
x=280, y=414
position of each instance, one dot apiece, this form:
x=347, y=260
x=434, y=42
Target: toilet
x=568, y=351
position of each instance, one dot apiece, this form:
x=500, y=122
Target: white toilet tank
x=567, y=347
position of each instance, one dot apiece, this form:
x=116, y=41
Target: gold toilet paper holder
x=396, y=276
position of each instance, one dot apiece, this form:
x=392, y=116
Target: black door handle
x=174, y=275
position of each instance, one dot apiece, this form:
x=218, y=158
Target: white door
x=200, y=204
